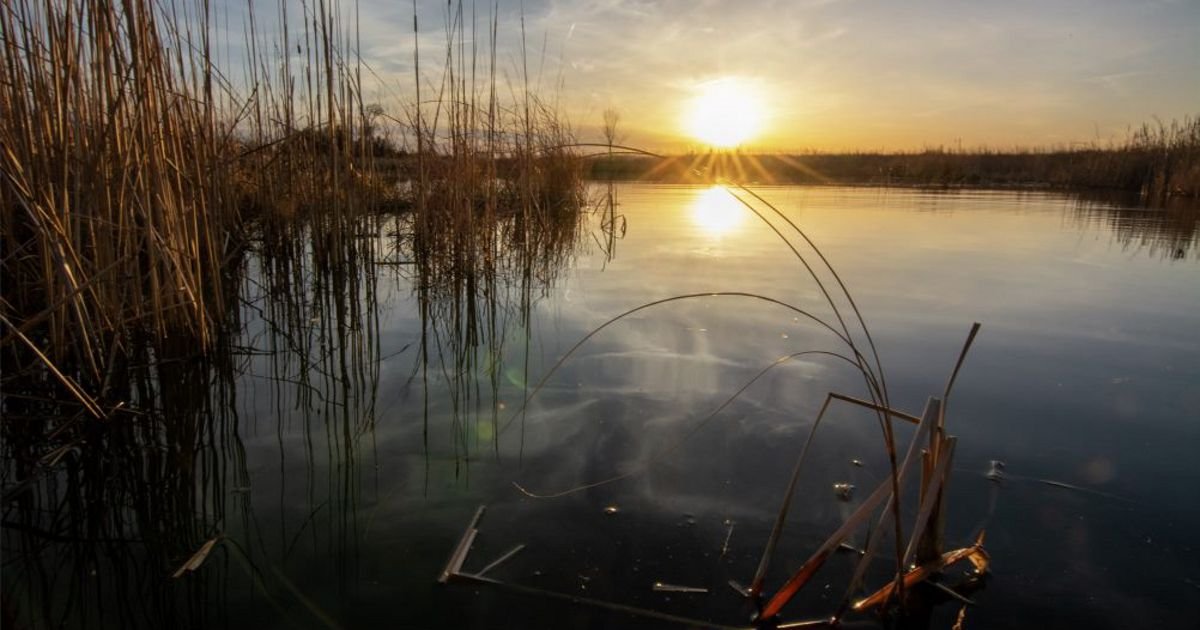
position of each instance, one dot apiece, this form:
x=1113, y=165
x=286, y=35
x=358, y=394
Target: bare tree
x=611, y=118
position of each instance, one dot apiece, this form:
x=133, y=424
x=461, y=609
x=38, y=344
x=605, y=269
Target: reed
x=134, y=168
x=95, y=520
x=129, y=165
x=153, y=201
x=1157, y=160
x=849, y=328
x=111, y=198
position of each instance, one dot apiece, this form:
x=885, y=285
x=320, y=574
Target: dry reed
x=131, y=166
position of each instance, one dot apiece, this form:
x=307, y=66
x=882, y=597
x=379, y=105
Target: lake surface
x=343, y=451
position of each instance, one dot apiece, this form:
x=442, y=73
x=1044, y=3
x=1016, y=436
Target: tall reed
x=138, y=175
x=131, y=165
x=113, y=196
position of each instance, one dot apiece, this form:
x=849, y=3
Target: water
x=339, y=469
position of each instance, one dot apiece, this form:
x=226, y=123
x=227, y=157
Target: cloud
x=839, y=73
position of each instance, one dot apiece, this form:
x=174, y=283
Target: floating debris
x=845, y=546
x=953, y=594
x=197, y=558
x=975, y=554
x=728, y=535
x=844, y=491
x=857, y=463
x=498, y=561
x=995, y=470
x=674, y=588
x=455, y=563
x=1070, y=486
x=612, y=509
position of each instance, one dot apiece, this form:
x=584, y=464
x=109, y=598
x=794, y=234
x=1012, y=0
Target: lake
x=363, y=416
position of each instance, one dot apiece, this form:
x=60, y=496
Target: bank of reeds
x=128, y=167
x=114, y=186
x=133, y=168
x=152, y=202
x=1158, y=160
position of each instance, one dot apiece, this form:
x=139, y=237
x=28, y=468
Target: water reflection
x=474, y=289
x=100, y=517
x=1171, y=231
x=98, y=514
x=716, y=212
x=337, y=445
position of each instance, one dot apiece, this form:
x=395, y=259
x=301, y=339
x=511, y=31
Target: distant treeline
x=1157, y=161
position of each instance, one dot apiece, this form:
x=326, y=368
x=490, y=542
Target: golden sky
x=830, y=74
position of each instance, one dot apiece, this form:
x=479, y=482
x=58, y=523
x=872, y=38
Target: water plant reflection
x=474, y=289
x=1171, y=231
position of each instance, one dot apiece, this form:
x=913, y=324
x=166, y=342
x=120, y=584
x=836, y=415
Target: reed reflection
x=1170, y=230
x=147, y=517
x=476, y=284
x=99, y=513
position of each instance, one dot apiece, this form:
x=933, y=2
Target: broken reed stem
x=924, y=541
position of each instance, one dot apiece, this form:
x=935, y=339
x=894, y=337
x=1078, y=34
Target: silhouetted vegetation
x=1157, y=161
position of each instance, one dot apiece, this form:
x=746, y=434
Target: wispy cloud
x=838, y=73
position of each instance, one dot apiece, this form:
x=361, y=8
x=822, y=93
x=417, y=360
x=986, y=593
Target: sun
x=725, y=112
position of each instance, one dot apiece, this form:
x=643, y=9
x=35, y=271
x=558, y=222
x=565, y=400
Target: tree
x=611, y=118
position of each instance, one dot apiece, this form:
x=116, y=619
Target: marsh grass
x=172, y=228
x=99, y=515
x=135, y=170
x=1157, y=160
x=129, y=169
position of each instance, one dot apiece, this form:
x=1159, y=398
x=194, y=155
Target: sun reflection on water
x=717, y=212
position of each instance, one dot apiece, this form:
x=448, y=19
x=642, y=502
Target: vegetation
x=132, y=170
x=1157, y=161
x=150, y=198
x=169, y=226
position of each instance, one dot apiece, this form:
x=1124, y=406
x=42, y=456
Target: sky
x=829, y=75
